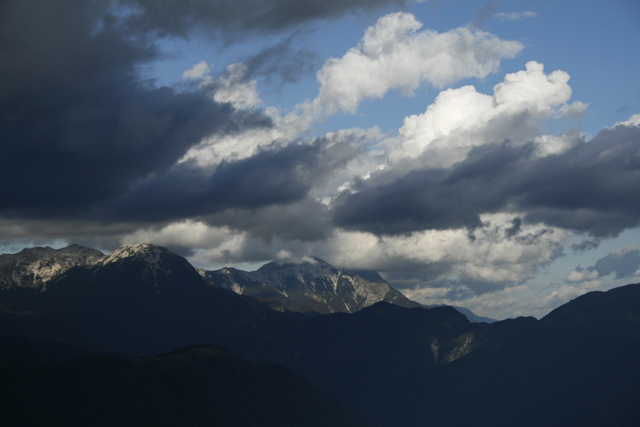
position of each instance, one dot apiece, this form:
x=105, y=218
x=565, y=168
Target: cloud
x=238, y=18
x=78, y=113
x=284, y=129
x=393, y=54
x=623, y=262
x=515, y=228
x=467, y=203
x=197, y=72
x=484, y=13
x=283, y=62
x=79, y=125
x=581, y=275
x=590, y=187
x=633, y=121
x=433, y=259
x=515, y=16
x=235, y=88
x=449, y=258
x=462, y=118
x=585, y=245
x=273, y=175
x=187, y=234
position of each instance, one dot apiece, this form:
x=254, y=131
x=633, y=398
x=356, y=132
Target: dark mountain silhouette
x=616, y=311
x=194, y=386
x=415, y=367
x=395, y=365
x=140, y=299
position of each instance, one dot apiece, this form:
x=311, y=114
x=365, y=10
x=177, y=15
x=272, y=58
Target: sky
x=479, y=154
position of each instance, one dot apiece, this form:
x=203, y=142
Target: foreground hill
x=139, y=299
x=616, y=311
x=415, y=367
x=395, y=365
x=198, y=385
x=311, y=286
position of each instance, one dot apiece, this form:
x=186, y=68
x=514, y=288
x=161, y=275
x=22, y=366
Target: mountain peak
x=144, y=251
x=34, y=267
x=309, y=284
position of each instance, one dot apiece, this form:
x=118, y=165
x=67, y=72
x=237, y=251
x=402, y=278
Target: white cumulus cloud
x=489, y=258
x=462, y=118
x=212, y=151
x=235, y=88
x=633, y=121
x=393, y=54
x=577, y=276
x=197, y=72
x=232, y=86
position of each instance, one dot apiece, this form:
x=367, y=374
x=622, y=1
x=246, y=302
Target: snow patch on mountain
x=144, y=251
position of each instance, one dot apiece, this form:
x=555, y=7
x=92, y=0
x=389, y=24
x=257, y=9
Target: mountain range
x=33, y=267
x=311, y=286
x=389, y=365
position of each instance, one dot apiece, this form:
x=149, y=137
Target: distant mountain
x=403, y=366
x=616, y=311
x=34, y=267
x=311, y=286
x=194, y=386
x=415, y=367
x=473, y=318
x=140, y=299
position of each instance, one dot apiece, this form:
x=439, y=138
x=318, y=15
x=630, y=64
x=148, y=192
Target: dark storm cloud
x=234, y=18
x=80, y=129
x=78, y=126
x=623, y=263
x=515, y=228
x=283, y=61
x=274, y=176
x=431, y=198
x=593, y=187
x=305, y=220
x=585, y=245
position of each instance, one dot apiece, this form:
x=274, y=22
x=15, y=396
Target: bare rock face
x=313, y=285
x=34, y=267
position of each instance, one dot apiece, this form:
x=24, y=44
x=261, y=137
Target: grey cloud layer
x=592, y=187
x=623, y=263
x=78, y=126
x=82, y=137
x=283, y=61
x=275, y=176
x=233, y=18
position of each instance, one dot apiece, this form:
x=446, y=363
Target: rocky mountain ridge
x=395, y=365
x=311, y=286
x=34, y=267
